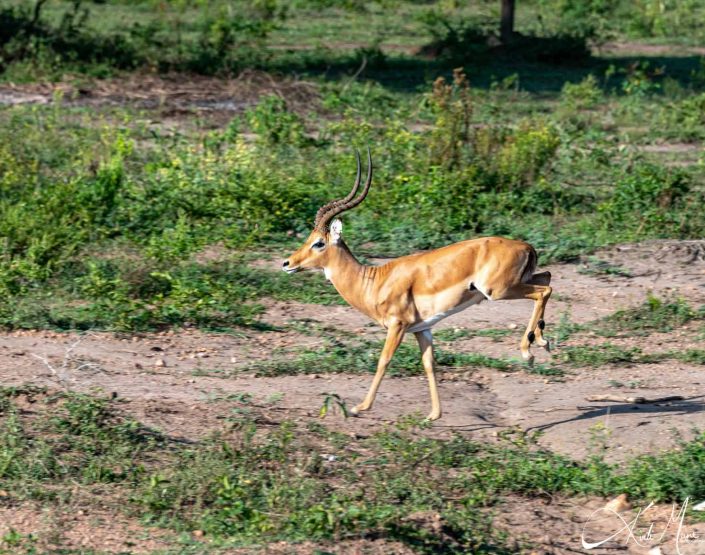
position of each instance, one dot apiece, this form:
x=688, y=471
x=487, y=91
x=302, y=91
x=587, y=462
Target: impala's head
x=326, y=234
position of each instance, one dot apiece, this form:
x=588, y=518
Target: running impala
x=415, y=292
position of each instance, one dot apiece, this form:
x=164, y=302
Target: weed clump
x=655, y=315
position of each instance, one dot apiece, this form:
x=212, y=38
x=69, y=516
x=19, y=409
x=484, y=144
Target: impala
x=415, y=292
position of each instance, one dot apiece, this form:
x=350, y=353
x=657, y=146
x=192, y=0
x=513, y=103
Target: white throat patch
x=327, y=273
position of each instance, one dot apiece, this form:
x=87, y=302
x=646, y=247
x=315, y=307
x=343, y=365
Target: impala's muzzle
x=288, y=269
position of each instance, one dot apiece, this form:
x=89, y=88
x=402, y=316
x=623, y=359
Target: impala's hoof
x=357, y=409
x=542, y=342
x=433, y=416
x=528, y=358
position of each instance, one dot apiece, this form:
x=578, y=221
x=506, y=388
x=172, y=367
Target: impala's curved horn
x=338, y=207
x=334, y=203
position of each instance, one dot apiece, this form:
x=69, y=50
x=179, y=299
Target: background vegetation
x=102, y=215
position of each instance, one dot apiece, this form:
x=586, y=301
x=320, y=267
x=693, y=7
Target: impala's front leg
x=395, y=334
x=425, y=340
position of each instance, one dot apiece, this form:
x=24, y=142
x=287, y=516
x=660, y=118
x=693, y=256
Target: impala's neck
x=354, y=281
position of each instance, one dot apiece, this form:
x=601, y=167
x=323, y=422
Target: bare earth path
x=185, y=383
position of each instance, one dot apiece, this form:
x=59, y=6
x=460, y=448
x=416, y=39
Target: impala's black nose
x=285, y=264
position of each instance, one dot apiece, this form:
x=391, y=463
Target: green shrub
x=452, y=108
x=274, y=123
x=684, y=119
x=582, y=95
x=650, y=198
x=525, y=154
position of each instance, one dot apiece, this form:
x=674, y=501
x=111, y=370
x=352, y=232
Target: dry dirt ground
x=170, y=100
x=185, y=382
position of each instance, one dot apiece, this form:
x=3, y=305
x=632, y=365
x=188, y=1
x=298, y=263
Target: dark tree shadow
x=406, y=73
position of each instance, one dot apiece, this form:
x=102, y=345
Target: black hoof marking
x=542, y=324
x=531, y=336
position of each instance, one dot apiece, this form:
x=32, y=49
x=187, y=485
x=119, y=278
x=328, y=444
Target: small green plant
x=451, y=104
x=683, y=119
x=604, y=354
x=274, y=123
x=692, y=356
x=332, y=400
x=655, y=315
x=583, y=95
x=14, y=539
x=594, y=266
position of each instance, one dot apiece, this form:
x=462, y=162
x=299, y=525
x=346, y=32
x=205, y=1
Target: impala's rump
x=453, y=278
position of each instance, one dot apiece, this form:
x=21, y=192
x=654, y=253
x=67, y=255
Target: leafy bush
x=649, y=18
x=222, y=39
x=686, y=118
x=25, y=35
x=274, y=123
x=650, y=197
x=456, y=40
x=452, y=107
x=525, y=154
x=589, y=20
x=582, y=95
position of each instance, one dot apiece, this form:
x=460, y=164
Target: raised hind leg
x=539, y=294
x=544, y=278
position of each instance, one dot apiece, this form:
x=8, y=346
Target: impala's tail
x=532, y=261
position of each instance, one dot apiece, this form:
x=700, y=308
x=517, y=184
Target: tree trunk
x=506, y=27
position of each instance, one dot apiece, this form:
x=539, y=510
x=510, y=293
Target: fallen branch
x=64, y=374
x=633, y=400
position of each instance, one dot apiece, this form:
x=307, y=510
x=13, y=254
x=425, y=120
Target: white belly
x=428, y=323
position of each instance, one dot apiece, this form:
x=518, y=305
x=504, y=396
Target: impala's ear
x=336, y=229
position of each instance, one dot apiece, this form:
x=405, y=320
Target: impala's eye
x=318, y=245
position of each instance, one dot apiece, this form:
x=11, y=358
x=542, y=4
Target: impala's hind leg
x=539, y=294
x=544, y=278
x=425, y=340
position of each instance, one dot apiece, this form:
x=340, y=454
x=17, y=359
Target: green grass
x=264, y=484
x=599, y=355
x=360, y=357
x=596, y=267
x=653, y=316
x=464, y=333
